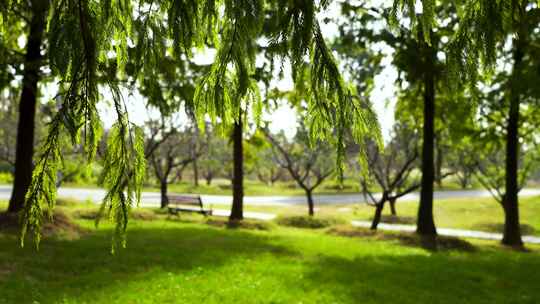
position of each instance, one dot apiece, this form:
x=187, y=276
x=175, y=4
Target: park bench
x=187, y=203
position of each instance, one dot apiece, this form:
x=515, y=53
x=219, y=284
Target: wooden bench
x=187, y=203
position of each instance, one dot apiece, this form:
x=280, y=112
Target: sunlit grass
x=170, y=261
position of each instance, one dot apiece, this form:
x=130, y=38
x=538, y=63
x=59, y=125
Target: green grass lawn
x=169, y=261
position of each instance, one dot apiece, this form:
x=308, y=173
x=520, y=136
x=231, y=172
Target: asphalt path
x=152, y=199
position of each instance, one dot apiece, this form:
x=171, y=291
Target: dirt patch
x=439, y=243
x=92, y=214
x=143, y=215
x=9, y=222
x=59, y=224
x=66, y=202
x=310, y=222
x=6, y=269
x=395, y=219
x=499, y=227
x=244, y=224
x=83, y=214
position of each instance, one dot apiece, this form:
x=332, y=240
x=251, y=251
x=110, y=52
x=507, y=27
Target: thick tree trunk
x=311, y=205
x=425, y=222
x=237, y=212
x=392, y=203
x=27, y=108
x=512, y=233
x=164, y=197
x=377, y=216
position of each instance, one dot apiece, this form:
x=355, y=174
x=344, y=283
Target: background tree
x=33, y=13
x=308, y=165
x=484, y=30
x=173, y=152
x=392, y=171
x=216, y=155
x=266, y=168
x=8, y=135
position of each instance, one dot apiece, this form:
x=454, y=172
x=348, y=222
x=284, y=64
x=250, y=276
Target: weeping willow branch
x=123, y=173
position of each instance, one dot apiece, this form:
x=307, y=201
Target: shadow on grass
x=435, y=278
x=499, y=227
x=67, y=267
x=358, y=272
x=439, y=243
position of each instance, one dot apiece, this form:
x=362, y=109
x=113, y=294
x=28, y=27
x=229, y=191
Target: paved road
x=150, y=199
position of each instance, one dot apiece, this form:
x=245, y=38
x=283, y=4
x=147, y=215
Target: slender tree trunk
x=180, y=174
x=311, y=205
x=377, y=216
x=512, y=232
x=27, y=108
x=194, y=154
x=237, y=212
x=208, y=180
x=438, y=166
x=392, y=203
x=164, y=197
x=425, y=222
x=464, y=181
x=195, y=172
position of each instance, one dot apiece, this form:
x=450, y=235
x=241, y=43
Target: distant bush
x=311, y=222
x=6, y=178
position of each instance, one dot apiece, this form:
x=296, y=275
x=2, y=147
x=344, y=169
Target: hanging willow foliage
x=84, y=35
x=408, y=8
x=221, y=92
x=78, y=35
x=334, y=108
x=483, y=26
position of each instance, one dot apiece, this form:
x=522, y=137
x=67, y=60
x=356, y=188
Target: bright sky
x=284, y=118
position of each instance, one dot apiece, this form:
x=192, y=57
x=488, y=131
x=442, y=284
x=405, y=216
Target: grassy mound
x=310, y=222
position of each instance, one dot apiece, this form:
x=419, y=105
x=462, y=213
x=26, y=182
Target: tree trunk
x=392, y=202
x=195, y=172
x=180, y=174
x=425, y=222
x=194, y=149
x=208, y=180
x=464, y=181
x=27, y=108
x=512, y=233
x=311, y=205
x=438, y=166
x=237, y=212
x=377, y=217
x=164, y=198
